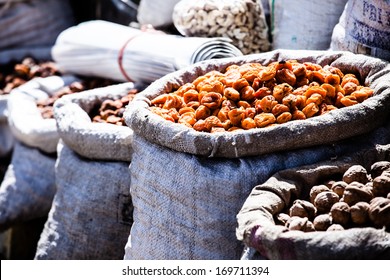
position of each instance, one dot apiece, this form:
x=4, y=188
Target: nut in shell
x=335, y=227
x=378, y=167
x=356, y=192
x=302, y=208
x=379, y=212
x=359, y=213
x=315, y=190
x=340, y=213
x=356, y=173
x=381, y=186
x=338, y=187
x=322, y=222
x=302, y=224
x=325, y=200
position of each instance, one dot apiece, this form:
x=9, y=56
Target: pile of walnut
x=46, y=105
x=14, y=74
x=358, y=200
x=256, y=96
x=111, y=111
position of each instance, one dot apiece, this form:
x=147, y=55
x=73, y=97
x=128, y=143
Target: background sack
x=156, y=13
x=304, y=24
x=257, y=229
x=28, y=187
x=337, y=124
x=362, y=29
x=33, y=23
x=91, y=213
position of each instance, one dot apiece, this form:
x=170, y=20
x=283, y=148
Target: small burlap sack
x=91, y=214
x=187, y=186
x=28, y=187
x=257, y=229
x=29, y=184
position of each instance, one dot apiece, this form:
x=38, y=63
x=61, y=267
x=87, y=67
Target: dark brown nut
x=335, y=227
x=282, y=218
x=339, y=187
x=378, y=167
x=322, y=222
x=359, y=213
x=302, y=208
x=379, y=212
x=381, y=186
x=340, y=213
x=325, y=200
x=355, y=173
x=356, y=192
x=315, y=190
x=302, y=224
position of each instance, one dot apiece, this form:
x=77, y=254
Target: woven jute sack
x=91, y=214
x=28, y=187
x=188, y=186
x=258, y=230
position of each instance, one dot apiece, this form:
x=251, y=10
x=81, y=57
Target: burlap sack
x=187, y=186
x=28, y=187
x=256, y=225
x=363, y=28
x=93, y=140
x=91, y=214
x=25, y=119
x=33, y=23
x=304, y=24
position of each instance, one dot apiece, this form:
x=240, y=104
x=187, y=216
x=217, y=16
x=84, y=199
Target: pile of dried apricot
x=256, y=96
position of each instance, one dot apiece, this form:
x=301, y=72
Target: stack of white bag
x=128, y=54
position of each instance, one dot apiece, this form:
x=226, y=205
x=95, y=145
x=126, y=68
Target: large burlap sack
x=187, y=186
x=304, y=25
x=33, y=23
x=257, y=228
x=28, y=187
x=363, y=28
x=91, y=214
x=338, y=124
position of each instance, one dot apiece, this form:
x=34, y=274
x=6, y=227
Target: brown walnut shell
x=356, y=173
x=325, y=200
x=379, y=211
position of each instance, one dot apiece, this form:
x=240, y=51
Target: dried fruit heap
x=358, y=199
x=255, y=96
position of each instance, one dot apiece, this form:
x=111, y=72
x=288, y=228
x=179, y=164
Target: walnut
x=339, y=187
x=335, y=227
x=381, y=186
x=356, y=192
x=299, y=223
x=302, y=208
x=340, y=213
x=322, y=222
x=282, y=218
x=355, y=173
x=379, y=212
x=315, y=190
x=359, y=213
x=325, y=200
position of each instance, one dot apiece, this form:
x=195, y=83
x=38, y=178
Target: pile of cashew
x=242, y=21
